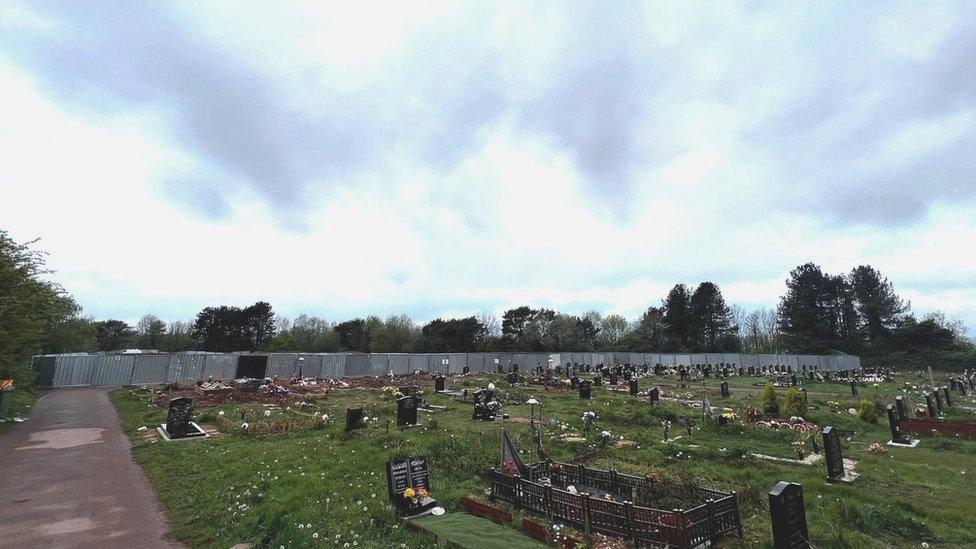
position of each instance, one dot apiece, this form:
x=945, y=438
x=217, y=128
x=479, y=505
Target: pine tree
x=676, y=318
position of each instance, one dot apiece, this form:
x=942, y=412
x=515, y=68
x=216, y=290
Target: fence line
x=112, y=370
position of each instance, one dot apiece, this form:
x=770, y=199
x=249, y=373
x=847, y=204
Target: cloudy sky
x=448, y=158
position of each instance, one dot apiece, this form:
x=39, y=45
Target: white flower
x=267, y=413
x=220, y=413
x=315, y=535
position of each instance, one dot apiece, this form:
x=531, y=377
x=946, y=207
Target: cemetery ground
x=315, y=485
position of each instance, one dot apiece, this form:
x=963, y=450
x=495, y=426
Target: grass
x=22, y=399
x=281, y=489
x=470, y=531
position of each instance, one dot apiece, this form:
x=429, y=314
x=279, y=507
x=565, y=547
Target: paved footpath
x=67, y=479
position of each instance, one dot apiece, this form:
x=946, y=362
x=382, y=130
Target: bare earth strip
x=67, y=479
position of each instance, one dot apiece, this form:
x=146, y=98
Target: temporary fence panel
x=356, y=365
x=112, y=370
x=457, y=362
x=419, y=362
x=281, y=365
x=476, y=362
x=73, y=371
x=308, y=365
x=149, y=369
x=45, y=367
x=333, y=365
x=733, y=359
x=714, y=358
x=400, y=364
x=378, y=364
x=185, y=367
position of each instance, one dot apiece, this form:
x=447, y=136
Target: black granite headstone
x=945, y=395
x=901, y=407
x=410, y=472
x=930, y=406
x=613, y=378
x=584, y=390
x=465, y=370
x=632, y=386
x=833, y=456
x=178, y=418
x=854, y=388
x=439, y=384
x=789, y=516
x=406, y=411
x=896, y=435
x=654, y=395
x=938, y=400
x=354, y=419
x=724, y=387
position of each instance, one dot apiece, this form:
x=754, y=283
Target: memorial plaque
x=406, y=411
x=632, y=385
x=724, y=386
x=833, y=456
x=409, y=472
x=789, y=516
x=178, y=418
x=354, y=419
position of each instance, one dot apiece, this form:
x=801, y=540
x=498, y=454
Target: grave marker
x=632, y=385
x=584, y=390
x=901, y=407
x=654, y=395
x=178, y=418
x=354, y=419
x=406, y=411
x=938, y=400
x=439, y=383
x=833, y=456
x=789, y=516
x=724, y=386
x=413, y=473
x=930, y=406
x=897, y=437
x=948, y=399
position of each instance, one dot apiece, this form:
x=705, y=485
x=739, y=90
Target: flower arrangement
x=799, y=447
x=876, y=448
x=727, y=417
x=415, y=497
x=390, y=392
x=588, y=419
x=605, y=438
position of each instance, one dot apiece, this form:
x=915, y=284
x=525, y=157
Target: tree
x=488, y=336
x=179, y=336
x=759, y=333
x=647, y=334
x=352, y=335
x=817, y=313
x=710, y=320
x=932, y=332
x=770, y=402
x=226, y=328
x=676, y=317
x=456, y=335
x=878, y=305
x=257, y=324
x=793, y=404
x=514, y=322
x=612, y=330
x=151, y=331
x=70, y=335
x=114, y=335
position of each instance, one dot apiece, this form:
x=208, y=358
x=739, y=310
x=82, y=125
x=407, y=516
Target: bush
x=793, y=404
x=770, y=403
x=867, y=411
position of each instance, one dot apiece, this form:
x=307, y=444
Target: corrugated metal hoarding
x=75, y=370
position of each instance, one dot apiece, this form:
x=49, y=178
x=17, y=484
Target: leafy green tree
x=514, y=323
x=151, y=331
x=676, y=318
x=114, y=335
x=817, y=313
x=878, y=306
x=455, y=335
x=34, y=313
x=352, y=335
x=612, y=329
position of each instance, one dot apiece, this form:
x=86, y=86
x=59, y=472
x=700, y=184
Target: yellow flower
x=408, y=493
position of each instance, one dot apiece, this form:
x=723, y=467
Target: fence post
x=586, y=513
x=517, y=486
x=582, y=473
x=547, y=494
x=629, y=511
x=709, y=505
x=738, y=519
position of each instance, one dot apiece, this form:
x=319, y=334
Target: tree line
x=855, y=312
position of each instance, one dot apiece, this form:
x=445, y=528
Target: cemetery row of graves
x=595, y=456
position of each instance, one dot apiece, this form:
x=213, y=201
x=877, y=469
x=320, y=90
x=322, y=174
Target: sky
x=450, y=158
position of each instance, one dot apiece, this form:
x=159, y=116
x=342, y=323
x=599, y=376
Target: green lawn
x=470, y=531
x=282, y=489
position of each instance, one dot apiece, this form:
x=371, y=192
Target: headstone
x=938, y=400
x=354, y=419
x=896, y=435
x=574, y=382
x=465, y=370
x=632, y=385
x=724, y=386
x=654, y=395
x=613, y=378
x=793, y=380
x=515, y=368
x=513, y=377
x=598, y=381
x=833, y=456
x=410, y=472
x=901, y=407
x=406, y=411
x=854, y=389
x=439, y=384
x=945, y=394
x=584, y=390
x=789, y=516
x=930, y=406
x=178, y=418
x=806, y=401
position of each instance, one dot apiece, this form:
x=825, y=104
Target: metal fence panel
x=185, y=367
x=73, y=371
x=149, y=369
x=45, y=367
x=112, y=370
x=356, y=365
x=378, y=364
